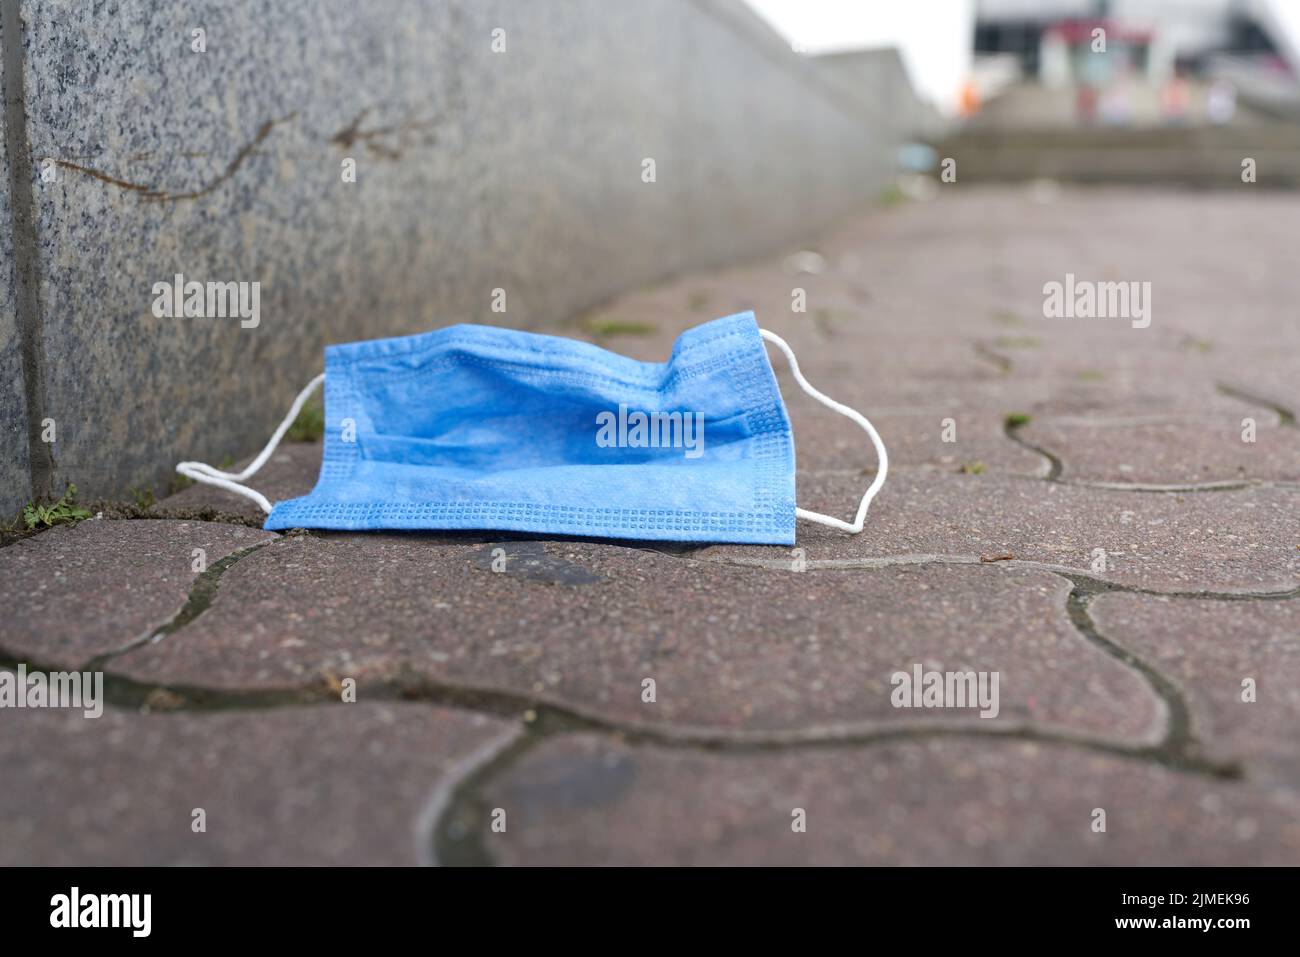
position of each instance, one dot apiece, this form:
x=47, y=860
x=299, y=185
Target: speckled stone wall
x=15, y=472
x=476, y=169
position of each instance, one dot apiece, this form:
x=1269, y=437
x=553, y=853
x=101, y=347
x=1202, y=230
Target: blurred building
x=1157, y=92
x=1251, y=45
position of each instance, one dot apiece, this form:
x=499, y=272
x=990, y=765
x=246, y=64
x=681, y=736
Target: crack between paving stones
x=439, y=840
x=1222, y=485
x=1179, y=747
x=1002, y=363
x=923, y=559
x=1193, y=488
x=1054, y=465
x=202, y=592
x=126, y=693
x=127, y=511
x=1285, y=415
x=106, y=511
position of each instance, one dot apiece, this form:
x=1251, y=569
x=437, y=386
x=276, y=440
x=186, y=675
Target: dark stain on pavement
x=532, y=562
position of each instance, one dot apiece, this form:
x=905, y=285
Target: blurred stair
x=1028, y=136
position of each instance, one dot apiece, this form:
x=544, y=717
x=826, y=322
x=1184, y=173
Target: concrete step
x=1191, y=156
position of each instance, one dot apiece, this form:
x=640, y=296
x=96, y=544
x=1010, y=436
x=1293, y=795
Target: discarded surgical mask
x=478, y=427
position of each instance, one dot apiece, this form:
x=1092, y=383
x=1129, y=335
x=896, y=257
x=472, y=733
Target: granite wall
x=15, y=469
x=498, y=145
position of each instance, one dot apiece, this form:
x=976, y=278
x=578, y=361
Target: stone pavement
x=1098, y=533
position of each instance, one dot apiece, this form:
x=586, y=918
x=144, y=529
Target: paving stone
x=1193, y=448
x=1209, y=648
x=582, y=625
x=1236, y=540
x=914, y=440
x=75, y=592
x=955, y=801
x=1113, y=361
x=1155, y=385
x=330, y=784
x=1269, y=378
x=1104, y=425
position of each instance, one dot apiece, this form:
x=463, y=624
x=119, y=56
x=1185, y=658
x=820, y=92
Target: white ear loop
x=857, y=417
x=206, y=474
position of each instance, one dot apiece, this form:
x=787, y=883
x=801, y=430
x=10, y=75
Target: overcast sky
x=933, y=35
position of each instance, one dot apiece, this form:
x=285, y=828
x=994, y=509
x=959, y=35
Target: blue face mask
x=479, y=427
